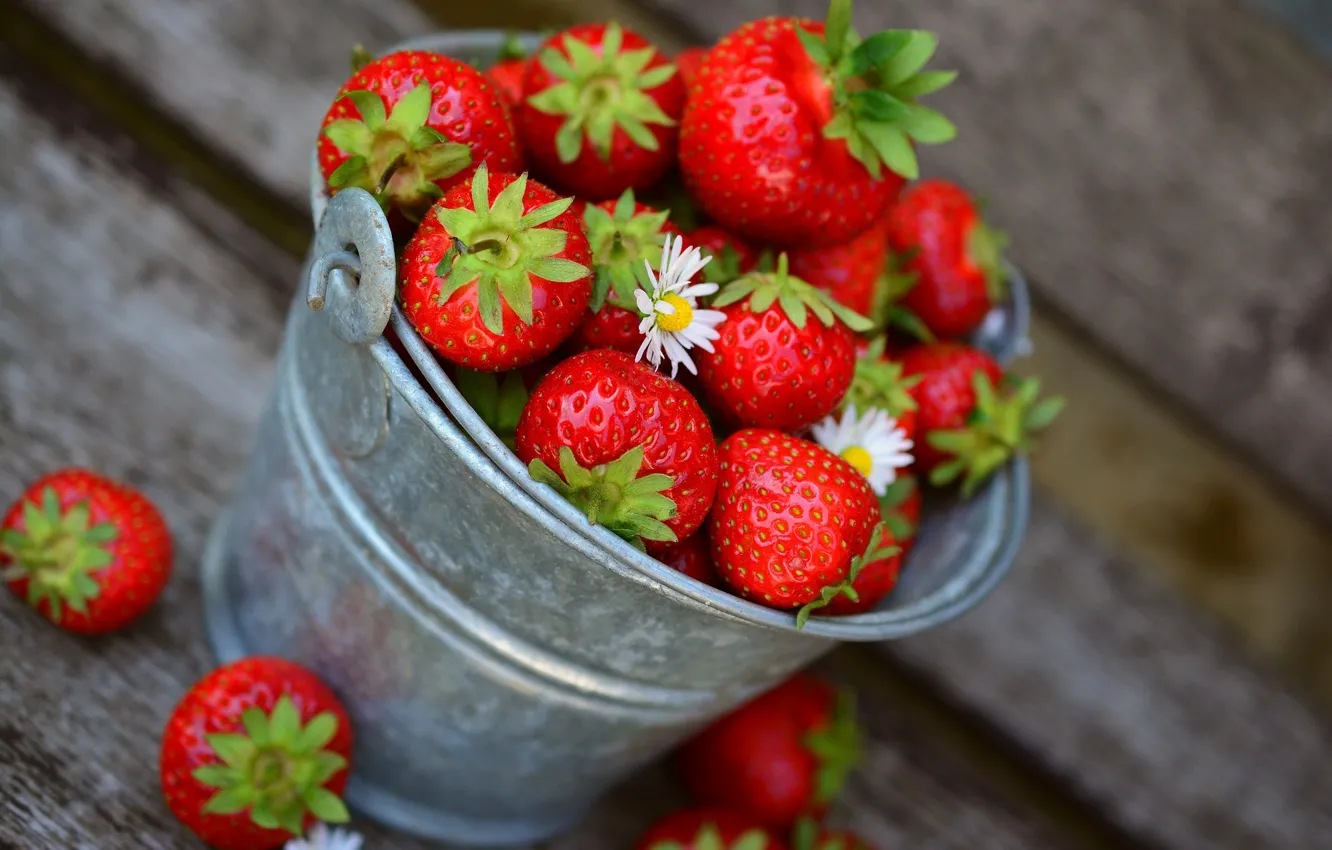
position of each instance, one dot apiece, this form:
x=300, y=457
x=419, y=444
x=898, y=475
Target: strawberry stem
x=614, y=495
x=57, y=552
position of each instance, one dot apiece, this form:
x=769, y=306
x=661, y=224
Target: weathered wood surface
x=137, y=332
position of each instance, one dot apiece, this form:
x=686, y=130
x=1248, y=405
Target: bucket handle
x=354, y=271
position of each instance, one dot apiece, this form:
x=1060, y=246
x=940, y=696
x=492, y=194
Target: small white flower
x=672, y=323
x=873, y=444
x=322, y=837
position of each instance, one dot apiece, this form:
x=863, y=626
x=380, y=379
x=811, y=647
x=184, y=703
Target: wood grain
x=136, y=336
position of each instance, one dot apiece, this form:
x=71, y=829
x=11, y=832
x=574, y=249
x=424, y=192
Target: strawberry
x=691, y=556
x=707, y=829
x=954, y=257
x=772, y=366
x=973, y=418
x=624, y=234
x=731, y=257
x=849, y=272
x=878, y=383
x=900, y=507
x=791, y=122
x=687, y=62
x=793, y=523
x=410, y=126
x=633, y=448
x=495, y=286
x=875, y=580
x=254, y=753
x=782, y=756
x=508, y=71
x=90, y=554
x=809, y=835
x=601, y=111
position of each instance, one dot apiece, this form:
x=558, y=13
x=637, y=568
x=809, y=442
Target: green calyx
x=876, y=83
x=725, y=266
x=396, y=158
x=276, y=769
x=809, y=835
x=360, y=57
x=892, y=286
x=878, y=384
x=614, y=495
x=795, y=297
x=602, y=92
x=512, y=48
x=709, y=838
x=985, y=246
x=57, y=551
x=837, y=746
x=890, y=503
x=1000, y=426
x=621, y=241
x=497, y=399
x=499, y=248
x=873, y=552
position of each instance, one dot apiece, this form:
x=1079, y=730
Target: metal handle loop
x=354, y=268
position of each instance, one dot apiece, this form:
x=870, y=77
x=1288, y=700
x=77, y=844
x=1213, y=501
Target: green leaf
x=554, y=62
x=893, y=148
x=926, y=82
x=791, y=305
x=326, y=806
x=815, y=47
x=292, y=819
x=488, y=303
x=877, y=106
x=371, y=107
x=327, y=765
x=953, y=442
x=581, y=54
x=625, y=468
x=638, y=132
x=349, y=135
x=263, y=816
x=284, y=721
x=230, y=801
x=508, y=207
x=911, y=58
x=103, y=532
x=235, y=750
x=1043, y=414
x=569, y=140
x=216, y=775
x=543, y=474
x=547, y=213
x=256, y=725
x=836, y=27
x=879, y=47
x=480, y=190
x=512, y=399
x=516, y=290
x=656, y=77
x=947, y=473
x=317, y=733
x=927, y=126
x=353, y=172
x=612, y=40
x=557, y=270
x=544, y=242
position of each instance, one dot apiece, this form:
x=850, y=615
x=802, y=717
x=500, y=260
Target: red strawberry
x=691, y=556
x=90, y=554
x=410, y=126
x=508, y=71
x=601, y=111
x=787, y=132
x=780, y=757
x=731, y=257
x=494, y=286
x=707, y=829
x=793, y=524
x=953, y=255
x=687, y=62
x=971, y=422
x=879, y=384
x=772, y=366
x=255, y=753
x=875, y=580
x=809, y=835
x=849, y=272
x=632, y=447
x=623, y=234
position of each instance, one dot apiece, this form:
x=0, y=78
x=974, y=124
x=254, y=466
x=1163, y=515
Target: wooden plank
x=1163, y=169
x=136, y=336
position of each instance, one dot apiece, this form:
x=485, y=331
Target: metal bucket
x=504, y=662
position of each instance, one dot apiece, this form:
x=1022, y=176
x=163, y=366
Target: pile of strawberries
x=746, y=383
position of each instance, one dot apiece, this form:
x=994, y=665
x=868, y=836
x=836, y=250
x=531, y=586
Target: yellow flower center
x=860, y=459
x=680, y=319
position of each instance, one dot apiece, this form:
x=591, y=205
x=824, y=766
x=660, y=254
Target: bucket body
x=503, y=661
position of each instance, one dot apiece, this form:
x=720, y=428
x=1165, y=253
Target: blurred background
x=1157, y=672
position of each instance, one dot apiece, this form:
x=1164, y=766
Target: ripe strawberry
x=707, y=829
x=255, y=753
x=809, y=835
x=623, y=234
x=731, y=257
x=972, y=422
x=875, y=580
x=633, y=448
x=494, y=286
x=508, y=71
x=793, y=524
x=878, y=383
x=780, y=757
x=693, y=557
x=772, y=367
x=791, y=122
x=687, y=62
x=849, y=272
x=952, y=254
x=601, y=111
x=90, y=554
x=412, y=125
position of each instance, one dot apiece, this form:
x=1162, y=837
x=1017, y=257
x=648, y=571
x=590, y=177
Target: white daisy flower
x=873, y=444
x=322, y=837
x=672, y=323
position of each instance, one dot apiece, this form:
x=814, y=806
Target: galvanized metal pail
x=504, y=661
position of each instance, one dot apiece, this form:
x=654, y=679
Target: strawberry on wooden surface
x=971, y=418
x=90, y=554
x=410, y=126
x=629, y=447
x=786, y=351
x=495, y=286
x=953, y=257
x=601, y=111
x=783, y=756
x=255, y=753
x=708, y=829
x=798, y=133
